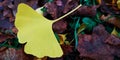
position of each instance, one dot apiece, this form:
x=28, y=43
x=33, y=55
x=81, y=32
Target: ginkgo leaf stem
x=67, y=13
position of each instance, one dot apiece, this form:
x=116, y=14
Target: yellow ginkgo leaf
x=118, y=3
x=36, y=31
x=114, y=32
x=99, y=1
x=62, y=38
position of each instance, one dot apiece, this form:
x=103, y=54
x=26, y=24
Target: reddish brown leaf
x=87, y=10
x=3, y=37
x=52, y=10
x=14, y=30
x=99, y=46
x=13, y=54
x=112, y=40
x=113, y=20
x=66, y=49
x=59, y=26
x=70, y=4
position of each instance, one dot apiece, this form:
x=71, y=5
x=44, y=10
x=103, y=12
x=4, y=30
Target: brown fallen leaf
x=87, y=10
x=70, y=4
x=113, y=20
x=3, y=49
x=3, y=37
x=66, y=49
x=13, y=54
x=52, y=10
x=59, y=2
x=32, y=3
x=14, y=30
x=109, y=7
x=59, y=26
x=100, y=45
x=60, y=7
x=112, y=40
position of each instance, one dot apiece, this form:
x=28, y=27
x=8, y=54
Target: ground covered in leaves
x=92, y=32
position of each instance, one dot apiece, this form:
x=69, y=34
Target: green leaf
x=14, y=43
x=49, y=0
x=43, y=9
x=97, y=17
x=74, y=25
x=75, y=31
x=88, y=2
x=89, y=22
x=3, y=44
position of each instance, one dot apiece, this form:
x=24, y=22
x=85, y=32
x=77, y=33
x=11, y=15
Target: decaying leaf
x=52, y=10
x=3, y=37
x=100, y=45
x=111, y=19
x=5, y=24
x=13, y=54
x=59, y=26
x=87, y=11
x=112, y=40
x=70, y=4
x=109, y=7
x=67, y=49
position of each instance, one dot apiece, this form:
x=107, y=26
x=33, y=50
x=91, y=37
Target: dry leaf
x=59, y=26
x=13, y=54
x=87, y=10
x=113, y=20
x=100, y=45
